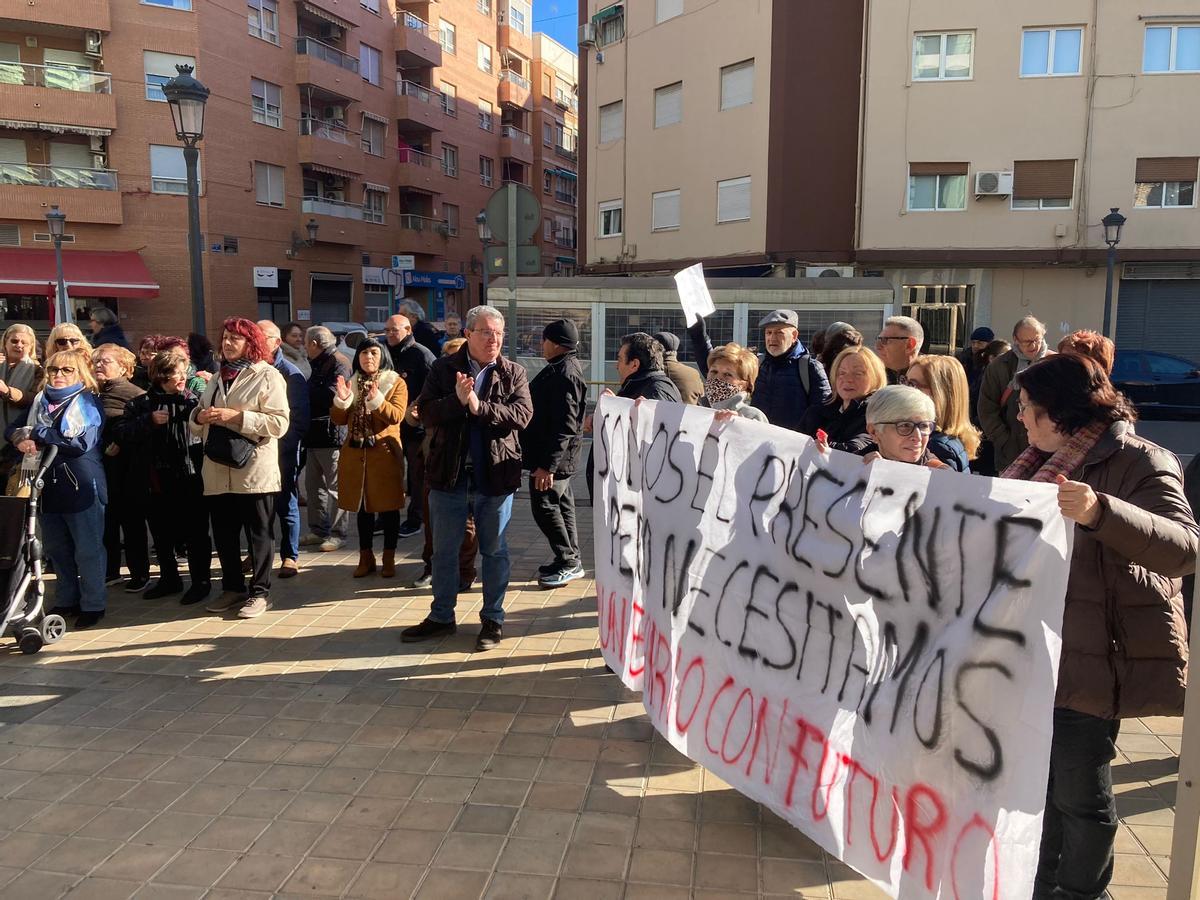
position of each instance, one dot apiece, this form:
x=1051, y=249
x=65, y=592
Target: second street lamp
x=56, y=221
x=484, y=234
x=186, y=96
x=1113, y=223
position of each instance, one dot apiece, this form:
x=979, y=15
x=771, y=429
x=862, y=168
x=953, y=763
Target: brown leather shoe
x=366, y=564
x=388, y=569
x=289, y=569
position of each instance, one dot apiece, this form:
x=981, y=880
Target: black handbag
x=228, y=448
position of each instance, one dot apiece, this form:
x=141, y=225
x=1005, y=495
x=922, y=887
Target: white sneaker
x=331, y=543
x=311, y=540
x=254, y=607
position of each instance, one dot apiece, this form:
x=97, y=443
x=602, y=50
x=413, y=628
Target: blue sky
x=557, y=18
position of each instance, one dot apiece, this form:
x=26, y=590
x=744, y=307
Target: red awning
x=88, y=273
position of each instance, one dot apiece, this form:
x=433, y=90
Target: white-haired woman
x=900, y=420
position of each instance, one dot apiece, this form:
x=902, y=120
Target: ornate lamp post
x=56, y=221
x=186, y=96
x=1112, y=223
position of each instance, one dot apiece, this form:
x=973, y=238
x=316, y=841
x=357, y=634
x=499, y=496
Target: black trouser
x=391, y=529
x=176, y=517
x=126, y=515
x=554, y=512
x=1080, y=824
x=231, y=515
x=414, y=456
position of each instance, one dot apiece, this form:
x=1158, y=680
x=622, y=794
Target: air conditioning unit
x=99, y=160
x=829, y=271
x=330, y=180
x=335, y=113
x=339, y=196
x=92, y=43
x=993, y=184
x=587, y=35
x=96, y=143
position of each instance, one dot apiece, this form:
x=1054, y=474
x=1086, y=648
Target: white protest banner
x=694, y=297
x=869, y=650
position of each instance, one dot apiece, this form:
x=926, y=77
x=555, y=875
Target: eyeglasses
x=67, y=342
x=884, y=338
x=105, y=361
x=1032, y=342
x=60, y=370
x=487, y=334
x=905, y=429
x=1023, y=407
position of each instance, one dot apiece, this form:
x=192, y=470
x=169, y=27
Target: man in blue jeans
x=473, y=405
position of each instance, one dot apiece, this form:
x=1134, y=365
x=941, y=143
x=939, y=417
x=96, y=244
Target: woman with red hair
x=240, y=419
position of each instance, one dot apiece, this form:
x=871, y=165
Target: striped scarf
x=1037, y=465
x=231, y=370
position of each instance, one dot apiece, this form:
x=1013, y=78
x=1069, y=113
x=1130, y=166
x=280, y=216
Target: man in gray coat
x=998, y=396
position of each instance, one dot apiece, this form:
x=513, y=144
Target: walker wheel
x=30, y=641
x=54, y=627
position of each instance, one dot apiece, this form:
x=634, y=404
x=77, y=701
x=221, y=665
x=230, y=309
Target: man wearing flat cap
x=789, y=379
x=551, y=443
x=687, y=379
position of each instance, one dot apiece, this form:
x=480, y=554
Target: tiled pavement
x=176, y=754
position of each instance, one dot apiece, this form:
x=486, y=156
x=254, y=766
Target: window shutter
x=668, y=104
x=12, y=150
x=164, y=63
x=667, y=9
x=277, y=177
x=938, y=168
x=1044, y=179
x=665, y=210
x=1166, y=168
x=167, y=162
x=612, y=122
x=737, y=84
x=733, y=199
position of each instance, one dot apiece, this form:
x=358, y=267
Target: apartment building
x=721, y=131
x=338, y=134
x=996, y=137
x=555, y=158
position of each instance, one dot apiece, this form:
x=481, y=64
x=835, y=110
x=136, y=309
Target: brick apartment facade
x=387, y=126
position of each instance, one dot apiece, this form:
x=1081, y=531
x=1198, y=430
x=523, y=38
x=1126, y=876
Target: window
x=370, y=5
x=160, y=68
x=548, y=229
x=1161, y=364
x=447, y=35
x=375, y=206
x=483, y=56
x=230, y=244
x=1172, y=48
x=610, y=218
x=486, y=168
x=265, y=103
x=451, y=213
x=610, y=25
x=369, y=61
x=668, y=105
x=174, y=4
x=733, y=200
x=1043, y=184
x=263, y=16
x=737, y=84
x=612, y=122
x=1166, y=182
x=547, y=85
x=547, y=182
x=667, y=9
x=548, y=134
x=168, y=174
x=484, y=7
x=268, y=184
x=943, y=57
x=486, y=114
x=519, y=15
x=664, y=210
x=450, y=160
x=937, y=186
x=1051, y=51
x=449, y=99
x=373, y=133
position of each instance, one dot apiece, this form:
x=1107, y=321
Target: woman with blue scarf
x=67, y=414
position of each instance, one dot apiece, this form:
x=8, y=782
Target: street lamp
x=186, y=96
x=484, y=235
x=56, y=221
x=1112, y=223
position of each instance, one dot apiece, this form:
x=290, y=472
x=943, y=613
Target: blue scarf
x=74, y=420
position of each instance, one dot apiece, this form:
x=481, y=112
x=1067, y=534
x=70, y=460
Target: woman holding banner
x=1124, y=652
x=900, y=420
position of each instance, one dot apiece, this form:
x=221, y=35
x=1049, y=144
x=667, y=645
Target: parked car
x=1162, y=386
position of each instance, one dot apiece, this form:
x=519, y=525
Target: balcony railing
x=39, y=175
x=564, y=197
x=566, y=241
x=337, y=208
x=62, y=78
x=419, y=91
x=567, y=152
x=516, y=134
x=416, y=23
x=515, y=77
x=330, y=131
x=311, y=47
x=566, y=99
x=417, y=158
x=424, y=223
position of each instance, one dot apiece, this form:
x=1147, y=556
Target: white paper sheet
x=694, y=297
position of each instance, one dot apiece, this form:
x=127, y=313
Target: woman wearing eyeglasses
x=67, y=414
x=900, y=420
x=943, y=379
x=66, y=336
x=20, y=377
x=1124, y=650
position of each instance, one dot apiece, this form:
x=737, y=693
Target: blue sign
x=444, y=280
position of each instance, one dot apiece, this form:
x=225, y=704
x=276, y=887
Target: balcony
x=57, y=95
x=330, y=145
x=515, y=90
x=509, y=38
x=27, y=190
x=420, y=172
x=327, y=69
x=418, y=106
x=422, y=234
x=417, y=43
x=564, y=197
x=566, y=152
x=78, y=14
x=338, y=222
x=566, y=100
x=516, y=144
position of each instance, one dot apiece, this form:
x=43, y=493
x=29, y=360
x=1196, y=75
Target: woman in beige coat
x=371, y=464
x=248, y=398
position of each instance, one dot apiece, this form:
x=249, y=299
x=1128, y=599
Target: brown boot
x=388, y=570
x=366, y=564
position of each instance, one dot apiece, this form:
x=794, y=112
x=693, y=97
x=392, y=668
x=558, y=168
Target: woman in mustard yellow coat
x=371, y=465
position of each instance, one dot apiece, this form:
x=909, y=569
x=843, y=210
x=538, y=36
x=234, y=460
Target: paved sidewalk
x=172, y=753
